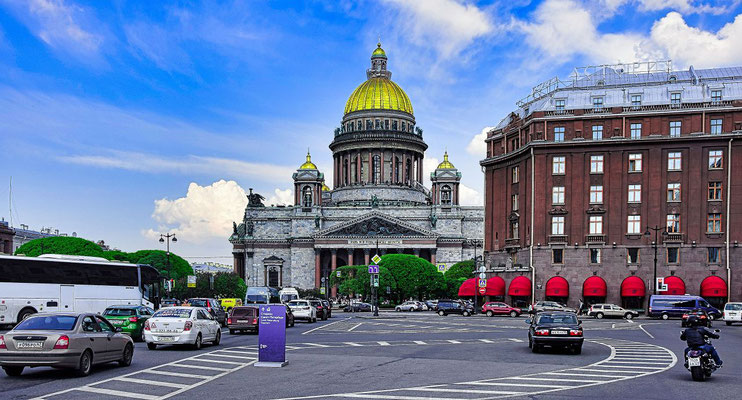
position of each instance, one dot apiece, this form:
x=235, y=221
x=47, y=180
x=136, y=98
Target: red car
x=492, y=308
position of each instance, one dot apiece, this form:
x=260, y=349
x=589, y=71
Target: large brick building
x=582, y=171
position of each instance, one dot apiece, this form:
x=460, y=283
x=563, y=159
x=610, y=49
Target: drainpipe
x=530, y=245
x=729, y=192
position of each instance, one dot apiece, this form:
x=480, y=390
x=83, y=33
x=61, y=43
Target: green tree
x=229, y=285
x=61, y=245
x=179, y=267
x=413, y=277
x=456, y=275
x=355, y=280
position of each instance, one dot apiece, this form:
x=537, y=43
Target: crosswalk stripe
x=613, y=371
x=472, y=391
x=581, y=374
x=513, y=384
x=533, y=378
x=118, y=393
x=150, y=382
x=251, y=357
x=170, y=373
x=198, y=367
x=607, y=365
x=199, y=359
x=317, y=345
x=614, y=361
x=391, y=397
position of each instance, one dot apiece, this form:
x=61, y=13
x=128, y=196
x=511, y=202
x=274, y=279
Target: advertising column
x=272, y=336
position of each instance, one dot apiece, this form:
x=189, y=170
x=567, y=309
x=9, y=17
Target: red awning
x=633, y=286
x=675, y=285
x=468, y=288
x=520, y=286
x=557, y=287
x=594, y=286
x=713, y=286
x=495, y=286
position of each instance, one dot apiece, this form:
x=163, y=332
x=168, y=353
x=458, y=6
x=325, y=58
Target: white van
x=732, y=313
x=288, y=294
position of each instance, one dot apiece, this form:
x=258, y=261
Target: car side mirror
x=528, y=321
x=118, y=329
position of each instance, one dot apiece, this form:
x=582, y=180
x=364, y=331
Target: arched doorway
x=714, y=290
x=520, y=291
x=495, y=289
x=594, y=290
x=633, y=291
x=557, y=289
x=675, y=286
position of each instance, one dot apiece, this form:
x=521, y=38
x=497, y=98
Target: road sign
x=191, y=280
x=482, y=283
x=338, y=274
x=661, y=285
x=482, y=290
x=376, y=259
x=373, y=269
x=482, y=269
x=376, y=280
x=482, y=275
x=322, y=290
x=441, y=267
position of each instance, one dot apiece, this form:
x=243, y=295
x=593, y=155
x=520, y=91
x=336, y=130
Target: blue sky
x=122, y=119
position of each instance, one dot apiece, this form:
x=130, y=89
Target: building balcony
x=682, y=106
x=512, y=242
x=673, y=238
x=594, y=239
x=558, y=239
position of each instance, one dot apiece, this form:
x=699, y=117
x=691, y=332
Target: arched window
x=354, y=167
x=408, y=171
x=360, y=125
x=446, y=195
x=307, y=196
x=346, y=175
x=377, y=169
x=397, y=169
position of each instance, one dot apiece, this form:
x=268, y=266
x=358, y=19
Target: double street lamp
x=167, y=238
x=476, y=243
x=656, y=230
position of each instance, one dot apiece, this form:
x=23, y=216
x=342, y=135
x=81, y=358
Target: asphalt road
x=409, y=356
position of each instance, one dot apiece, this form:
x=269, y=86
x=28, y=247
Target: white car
x=182, y=325
x=732, y=313
x=302, y=309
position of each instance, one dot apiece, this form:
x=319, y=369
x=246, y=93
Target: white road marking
x=354, y=327
x=453, y=341
x=150, y=382
x=324, y=326
x=117, y=393
x=514, y=384
x=471, y=391
x=486, y=341
x=169, y=373
x=353, y=344
x=382, y=343
x=516, y=340
x=419, y=342
x=641, y=326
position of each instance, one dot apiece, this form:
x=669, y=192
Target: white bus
x=52, y=283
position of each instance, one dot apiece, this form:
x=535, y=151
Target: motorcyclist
x=695, y=335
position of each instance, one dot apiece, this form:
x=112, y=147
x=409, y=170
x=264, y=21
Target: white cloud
x=477, y=146
x=281, y=197
x=685, y=6
x=469, y=196
x=429, y=165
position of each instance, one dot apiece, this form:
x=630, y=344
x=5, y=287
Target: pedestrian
x=580, y=308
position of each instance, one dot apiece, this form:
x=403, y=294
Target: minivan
x=665, y=306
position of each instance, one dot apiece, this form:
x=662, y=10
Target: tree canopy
x=225, y=285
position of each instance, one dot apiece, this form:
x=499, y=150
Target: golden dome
x=325, y=188
x=378, y=93
x=445, y=164
x=308, y=164
x=378, y=52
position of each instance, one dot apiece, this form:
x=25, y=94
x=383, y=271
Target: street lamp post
x=656, y=230
x=475, y=243
x=166, y=238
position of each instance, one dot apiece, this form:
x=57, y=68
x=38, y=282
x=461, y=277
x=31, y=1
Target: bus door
x=67, y=298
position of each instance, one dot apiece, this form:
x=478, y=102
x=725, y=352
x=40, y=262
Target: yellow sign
x=191, y=280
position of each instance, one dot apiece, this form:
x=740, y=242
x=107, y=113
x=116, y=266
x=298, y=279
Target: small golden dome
x=325, y=188
x=378, y=52
x=308, y=164
x=445, y=164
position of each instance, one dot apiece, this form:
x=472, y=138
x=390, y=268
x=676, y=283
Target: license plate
x=558, y=332
x=167, y=330
x=166, y=339
x=116, y=322
x=243, y=321
x=694, y=362
x=29, y=345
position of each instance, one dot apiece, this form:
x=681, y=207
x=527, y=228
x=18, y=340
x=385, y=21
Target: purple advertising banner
x=272, y=334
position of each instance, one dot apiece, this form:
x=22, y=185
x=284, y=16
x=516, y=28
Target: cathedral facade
x=378, y=200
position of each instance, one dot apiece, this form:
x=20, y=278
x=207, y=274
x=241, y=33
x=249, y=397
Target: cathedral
x=378, y=200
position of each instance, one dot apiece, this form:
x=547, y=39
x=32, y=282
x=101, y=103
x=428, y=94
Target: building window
x=557, y=195
x=596, y=164
x=514, y=202
x=713, y=255
x=673, y=255
x=675, y=99
x=596, y=225
x=636, y=101
x=514, y=229
x=386, y=124
x=377, y=124
x=715, y=159
x=632, y=255
x=557, y=256
x=446, y=195
x=634, y=226
x=635, y=162
x=597, y=132
x=716, y=96
x=394, y=125
x=516, y=174
x=635, y=193
x=559, y=134
x=595, y=256
x=636, y=131
x=716, y=127
x=557, y=225
x=673, y=223
x=596, y=194
x=675, y=128
x=713, y=224
x=558, y=165
x=674, y=161
x=598, y=104
x=376, y=168
x=714, y=191
x=307, y=196
x=673, y=192
x=559, y=105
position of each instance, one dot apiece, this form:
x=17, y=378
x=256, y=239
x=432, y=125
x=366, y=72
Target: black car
x=555, y=329
x=213, y=306
x=328, y=307
x=446, y=307
x=322, y=311
x=357, y=307
x=703, y=317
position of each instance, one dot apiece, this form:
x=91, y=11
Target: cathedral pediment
x=375, y=224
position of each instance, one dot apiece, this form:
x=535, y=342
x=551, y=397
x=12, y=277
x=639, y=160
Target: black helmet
x=692, y=321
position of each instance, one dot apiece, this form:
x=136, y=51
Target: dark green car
x=129, y=318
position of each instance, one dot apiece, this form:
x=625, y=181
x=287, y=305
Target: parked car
x=182, y=325
x=446, y=307
x=64, y=340
x=432, y=304
x=358, y=307
x=229, y=304
x=423, y=306
x=303, y=309
x=129, y=318
x=244, y=318
x=212, y=306
x=408, y=306
x=492, y=308
x=600, y=311
x=732, y=313
x=322, y=312
x=170, y=303
x=328, y=307
x=700, y=314
x=666, y=306
x=545, y=305
x=555, y=329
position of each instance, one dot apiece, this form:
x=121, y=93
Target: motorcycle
x=700, y=363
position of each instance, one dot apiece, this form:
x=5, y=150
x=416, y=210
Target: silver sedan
x=64, y=340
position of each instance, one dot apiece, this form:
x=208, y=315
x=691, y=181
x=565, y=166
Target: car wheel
x=125, y=360
x=665, y=316
x=466, y=313
x=141, y=335
x=13, y=371
x=535, y=348
x=599, y=315
x=197, y=344
x=218, y=338
x=629, y=316
x=441, y=313
x=25, y=313
x=85, y=364
x=490, y=313
x=513, y=314
x=728, y=323
x=398, y=309
x=711, y=317
x=151, y=346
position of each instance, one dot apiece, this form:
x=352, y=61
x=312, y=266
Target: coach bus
x=60, y=283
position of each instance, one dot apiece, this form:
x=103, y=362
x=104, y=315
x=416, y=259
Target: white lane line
x=541, y=385
x=533, y=378
x=486, y=341
x=453, y=341
x=516, y=340
x=353, y=344
x=419, y=342
x=392, y=397
x=169, y=373
x=179, y=365
x=581, y=374
x=150, y=382
x=324, y=326
x=382, y=343
x=316, y=345
x=117, y=393
x=624, y=366
x=232, y=356
x=199, y=359
x=471, y=391
x=641, y=326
